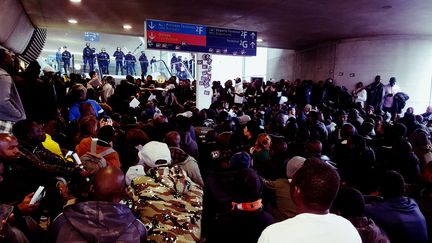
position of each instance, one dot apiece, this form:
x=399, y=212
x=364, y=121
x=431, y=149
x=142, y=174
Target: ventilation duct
x=16, y=28
x=35, y=46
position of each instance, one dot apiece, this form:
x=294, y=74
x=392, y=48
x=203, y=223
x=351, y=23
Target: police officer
x=119, y=55
x=153, y=65
x=173, y=63
x=66, y=56
x=88, y=56
x=178, y=66
x=130, y=63
x=144, y=63
x=191, y=65
x=93, y=56
x=103, y=60
x=59, y=59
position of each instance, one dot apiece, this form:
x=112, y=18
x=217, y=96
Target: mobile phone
x=38, y=195
x=76, y=158
x=69, y=153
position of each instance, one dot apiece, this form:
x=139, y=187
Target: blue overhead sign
x=164, y=35
x=173, y=27
x=91, y=36
x=232, y=42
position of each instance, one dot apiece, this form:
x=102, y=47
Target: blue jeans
x=90, y=63
x=119, y=65
x=66, y=65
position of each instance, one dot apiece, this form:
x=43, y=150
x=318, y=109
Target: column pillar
x=204, y=79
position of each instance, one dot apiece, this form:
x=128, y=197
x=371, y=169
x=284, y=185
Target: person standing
x=11, y=108
x=173, y=63
x=144, y=63
x=119, y=56
x=59, y=59
x=66, y=56
x=375, y=93
x=153, y=64
x=103, y=59
x=360, y=95
x=88, y=56
x=238, y=92
x=390, y=90
x=130, y=63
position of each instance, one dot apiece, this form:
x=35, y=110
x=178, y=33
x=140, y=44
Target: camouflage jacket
x=169, y=203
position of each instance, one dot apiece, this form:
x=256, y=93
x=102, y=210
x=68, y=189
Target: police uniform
x=130, y=64
x=173, y=61
x=144, y=63
x=59, y=59
x=66, y=56
x=119, y=55
x=153, y=64
x=88, y=55
x=103, y=59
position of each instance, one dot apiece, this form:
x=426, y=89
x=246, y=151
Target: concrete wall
x=316, y=63
x=280, y=64
x=407, y=58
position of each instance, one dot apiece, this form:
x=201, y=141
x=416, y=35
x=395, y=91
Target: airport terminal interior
x=215, y=121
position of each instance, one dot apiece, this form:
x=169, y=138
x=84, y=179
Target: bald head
x=109, y=184
x=313, y=148
x=172, y=139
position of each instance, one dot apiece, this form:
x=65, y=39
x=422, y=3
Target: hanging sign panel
x=164, y=35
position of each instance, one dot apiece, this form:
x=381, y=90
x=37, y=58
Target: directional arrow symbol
x=152, y=36
x=151, y=25
x=252, y=44
x=253, y=35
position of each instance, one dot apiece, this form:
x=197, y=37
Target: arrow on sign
x=243, y=52
x=152, y=36
x=252, y=44
x=151, y=26
x=253, y=35
x=149, y=43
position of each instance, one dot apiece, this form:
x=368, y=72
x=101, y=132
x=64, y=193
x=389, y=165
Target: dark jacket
x=400, y=218
x=368, y=230
x=98, y=221
x=239, y=226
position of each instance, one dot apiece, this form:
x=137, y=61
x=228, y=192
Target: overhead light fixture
x=259, y=40
x=75, y=1
x=72, y=21
x=387, y=7
x=127, y=26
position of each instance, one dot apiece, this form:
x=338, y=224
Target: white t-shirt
x=239, y=90
x=361, y=98
x=308, y=227
x=388, y=89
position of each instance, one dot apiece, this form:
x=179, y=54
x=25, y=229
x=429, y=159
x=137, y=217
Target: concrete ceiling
x=287, y=24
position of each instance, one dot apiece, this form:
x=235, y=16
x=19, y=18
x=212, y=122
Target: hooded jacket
x=98, y=221
x=368, y=230
x=400, y=218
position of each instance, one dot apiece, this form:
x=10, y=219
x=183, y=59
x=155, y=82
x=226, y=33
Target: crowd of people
x=266, y=162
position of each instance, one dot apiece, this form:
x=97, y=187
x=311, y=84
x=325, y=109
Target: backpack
x=93, y=161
